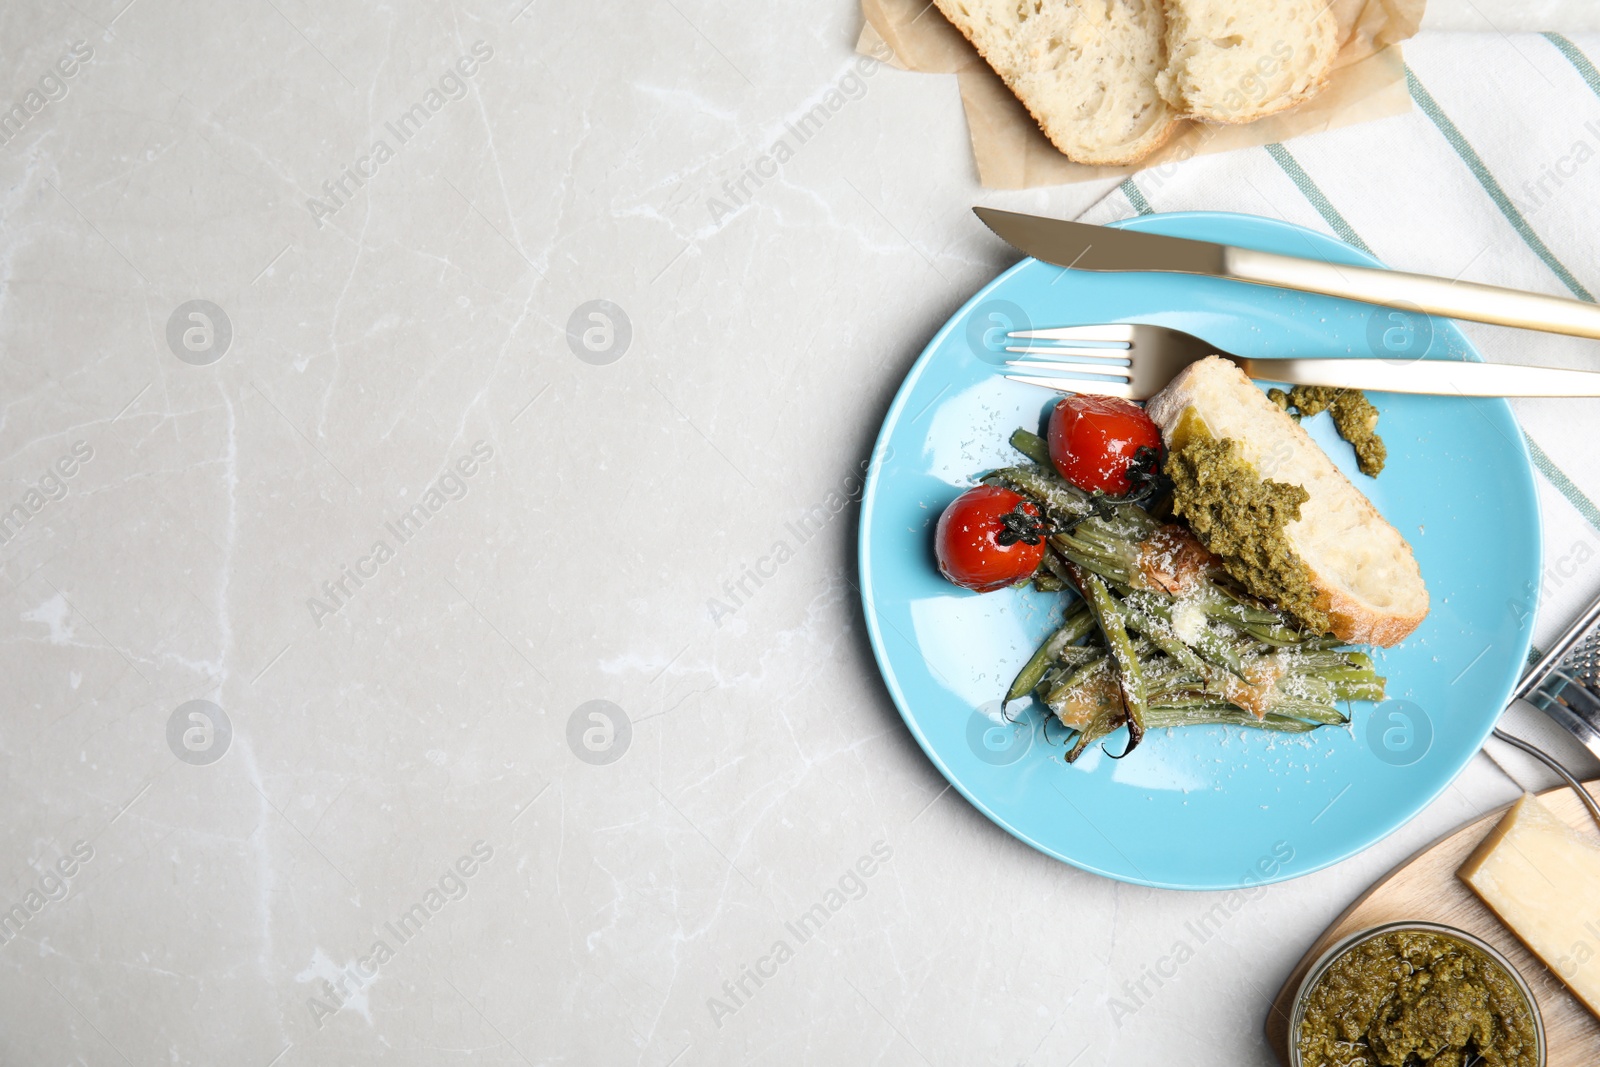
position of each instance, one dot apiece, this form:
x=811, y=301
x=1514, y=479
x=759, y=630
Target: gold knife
x=1103, y=248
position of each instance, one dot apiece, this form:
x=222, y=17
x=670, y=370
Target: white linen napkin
x=1493, y=177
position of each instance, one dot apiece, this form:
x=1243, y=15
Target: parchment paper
x=1011, y=151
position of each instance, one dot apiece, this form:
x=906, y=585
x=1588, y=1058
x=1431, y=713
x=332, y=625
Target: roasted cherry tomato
x=989, y=538
x=1094, y=439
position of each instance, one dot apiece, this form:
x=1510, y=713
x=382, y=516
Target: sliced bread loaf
x=1364, y=577
x=1085, y=69
x=1234, y=62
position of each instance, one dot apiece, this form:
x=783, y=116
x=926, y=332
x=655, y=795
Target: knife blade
x=1079, y=246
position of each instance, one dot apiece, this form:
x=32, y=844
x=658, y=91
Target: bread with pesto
x=1356, y=573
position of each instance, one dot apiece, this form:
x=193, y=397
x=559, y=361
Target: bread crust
x=1178, y=112
x=1354, y=622
x=1134, y=152
x=1144, y=146
x=1287, y=103
x=1328, y=27
x=1352, y=619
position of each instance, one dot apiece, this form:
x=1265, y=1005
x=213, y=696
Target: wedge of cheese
x=1542, y=878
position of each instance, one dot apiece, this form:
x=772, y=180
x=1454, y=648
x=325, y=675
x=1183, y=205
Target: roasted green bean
x=1031, y=445
x=1075, y=628
x=1226, y=659
x=1108, y=613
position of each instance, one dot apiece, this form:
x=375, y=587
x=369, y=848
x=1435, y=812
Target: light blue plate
x=1201, y=807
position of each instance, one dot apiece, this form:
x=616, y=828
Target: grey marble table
x=394, y=401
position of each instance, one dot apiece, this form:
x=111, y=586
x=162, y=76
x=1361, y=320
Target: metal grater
x=1583, y=663
x=1565, y=685
x=1570, y=692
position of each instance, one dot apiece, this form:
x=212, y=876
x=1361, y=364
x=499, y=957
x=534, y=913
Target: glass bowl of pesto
x=1414, y=993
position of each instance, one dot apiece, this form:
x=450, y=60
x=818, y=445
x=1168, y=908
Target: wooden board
x=1425, y=887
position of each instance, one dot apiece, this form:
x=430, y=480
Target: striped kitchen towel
x=1493, y=177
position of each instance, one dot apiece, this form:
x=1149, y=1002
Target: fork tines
x=1112, y=333
x=1076, y=383
x=1108, y=355
x=1106, y=369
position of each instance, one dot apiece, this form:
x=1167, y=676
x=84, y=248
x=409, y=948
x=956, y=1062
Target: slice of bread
x=1363, y=571
x=1085, y=69
x=1232, y=62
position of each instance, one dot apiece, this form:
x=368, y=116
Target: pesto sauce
x=1353, y=416
x=1416, y=997
x=1241, y=517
